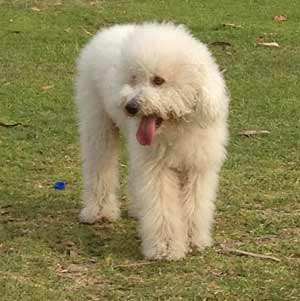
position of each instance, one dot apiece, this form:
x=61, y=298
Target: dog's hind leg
x=99, y=139
x=199, y=195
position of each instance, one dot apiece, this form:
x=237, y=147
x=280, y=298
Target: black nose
x=133, y=106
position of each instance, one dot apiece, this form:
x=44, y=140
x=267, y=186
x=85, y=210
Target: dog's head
x=167, y=75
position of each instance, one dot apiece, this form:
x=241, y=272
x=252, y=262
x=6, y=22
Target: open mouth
x=147, y=129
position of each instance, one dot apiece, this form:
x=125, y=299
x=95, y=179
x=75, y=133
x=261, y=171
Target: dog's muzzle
x=133, y=106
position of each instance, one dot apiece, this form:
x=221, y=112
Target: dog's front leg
x=162, y=227
x=199, y=198
x=99, y=151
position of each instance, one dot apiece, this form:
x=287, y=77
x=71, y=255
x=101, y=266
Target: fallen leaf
x=6, y=206
x=73, y=254
x=231, y=25
x=220, y=43
x=93, y=260
x=261, y=42
x=270, y=33
x=87, y=32
x=217, y=273
x=280, y=18
x=4, y=249
x=68, y=243
x=34, y=8
x=45, y=88
x=61, y=269
x=76, y=268
x=10, y=125
x=249, y=133
x=72, y=268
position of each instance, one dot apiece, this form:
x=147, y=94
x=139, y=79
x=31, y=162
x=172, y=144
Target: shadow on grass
x=55, y=224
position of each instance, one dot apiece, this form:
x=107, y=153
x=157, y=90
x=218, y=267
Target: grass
x=45, y=254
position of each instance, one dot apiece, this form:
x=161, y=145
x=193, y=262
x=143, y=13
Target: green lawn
x=45, y=254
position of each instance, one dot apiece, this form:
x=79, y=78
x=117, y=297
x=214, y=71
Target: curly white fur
x=173, y=181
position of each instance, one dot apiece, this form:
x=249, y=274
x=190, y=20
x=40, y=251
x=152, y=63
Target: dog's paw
x=110, y=212
x=90, y=215
x=164, y=251
x=199, y=243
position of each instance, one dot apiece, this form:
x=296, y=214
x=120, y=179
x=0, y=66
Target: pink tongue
x=146, y=130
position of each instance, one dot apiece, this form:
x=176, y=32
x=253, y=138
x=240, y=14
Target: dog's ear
x=213, y=101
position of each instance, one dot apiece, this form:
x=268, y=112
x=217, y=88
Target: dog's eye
x=157, y=80
x=133, y=79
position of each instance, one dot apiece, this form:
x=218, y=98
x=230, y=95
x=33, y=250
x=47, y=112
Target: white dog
x=162, y=89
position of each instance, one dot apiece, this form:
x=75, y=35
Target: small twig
x=245, y=253
x=136, y=264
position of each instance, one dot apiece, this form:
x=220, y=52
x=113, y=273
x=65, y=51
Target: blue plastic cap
x=59, y=185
